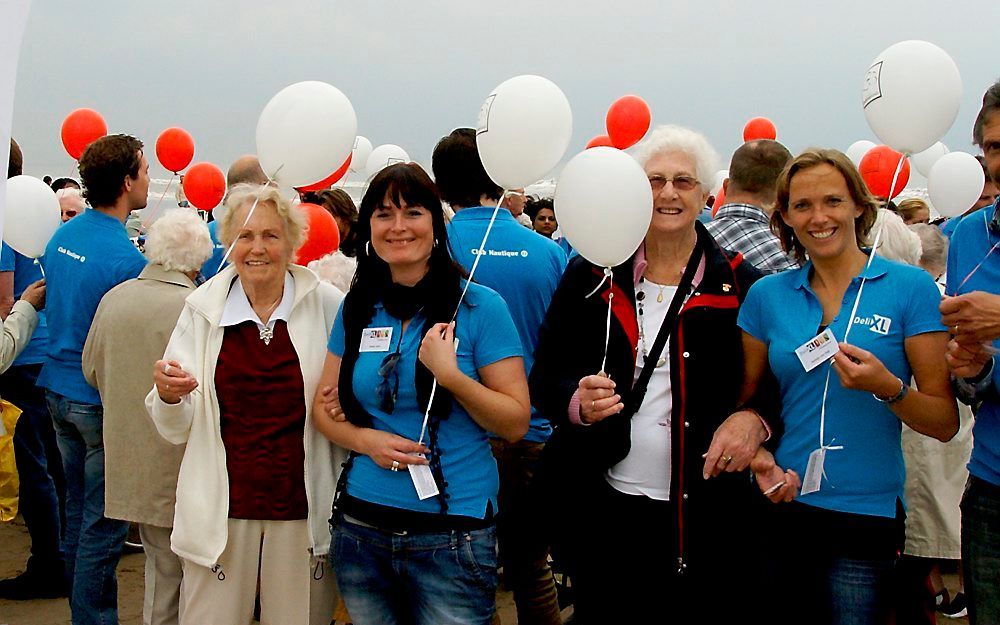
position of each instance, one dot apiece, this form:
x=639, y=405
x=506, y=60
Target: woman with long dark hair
x=413, y=390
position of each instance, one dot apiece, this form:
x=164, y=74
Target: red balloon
x=759, y=128
x=81, y=128
x=322, y=237
x=329, y=181
x=720, y=199
x=204, y=186
x=600, y=141
x=627, y=121
x=878, y=166
x=174, y=149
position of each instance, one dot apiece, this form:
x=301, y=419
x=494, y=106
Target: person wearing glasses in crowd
x=421, y=482
x=634, y=517
x=236, y=384
x=842, y=420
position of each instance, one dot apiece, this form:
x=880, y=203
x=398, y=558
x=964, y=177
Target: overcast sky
x=416, y=69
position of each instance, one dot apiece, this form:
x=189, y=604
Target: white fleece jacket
x=200, y=519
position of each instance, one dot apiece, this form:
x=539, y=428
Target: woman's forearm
x=932, y=416
x=505, y=412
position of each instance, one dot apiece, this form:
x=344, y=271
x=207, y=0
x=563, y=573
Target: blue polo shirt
x=782, y=311
x=522, y=266
x=948, y=227
x=86, y=257
x=211, y=266
x=970, y=244
x=26, y=272
x=486, y=335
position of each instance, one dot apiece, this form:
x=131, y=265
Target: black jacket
x=706, y=369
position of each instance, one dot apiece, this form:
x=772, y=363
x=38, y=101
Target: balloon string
x=41, y=268
x=895, y=177
x=864, y=276
x=607, y=331
x=156, y=207
x=976, y=268
x=229, y=251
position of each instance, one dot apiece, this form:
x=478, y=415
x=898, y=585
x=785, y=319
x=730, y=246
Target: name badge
x=818, y=349
x=375, y=339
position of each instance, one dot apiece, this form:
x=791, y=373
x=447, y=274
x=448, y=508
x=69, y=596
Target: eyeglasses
x=681, y=183
x=387, y=395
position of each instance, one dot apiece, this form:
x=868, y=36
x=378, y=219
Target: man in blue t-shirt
x=973, y=316
x=86, y=258
x=524, y=268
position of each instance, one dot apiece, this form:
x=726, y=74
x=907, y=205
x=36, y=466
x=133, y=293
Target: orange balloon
x=627, y=121
x=174, y=149
x=600, y=141
x=81, y=128
x=322, y=236
x=329, y=181
x=720, y=199
x=204, y=186
x=759, y=128
x=878, y=166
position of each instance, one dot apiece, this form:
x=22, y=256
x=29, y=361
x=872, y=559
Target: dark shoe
x=32, y=585
x=956, y=608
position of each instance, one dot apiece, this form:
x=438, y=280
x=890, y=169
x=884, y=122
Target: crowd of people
x=765, y=417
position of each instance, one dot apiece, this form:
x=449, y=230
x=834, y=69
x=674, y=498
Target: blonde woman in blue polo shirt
x=414, y=538
x=836, y=544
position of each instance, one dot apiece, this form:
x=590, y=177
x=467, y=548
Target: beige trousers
x=295, y=589
x=163, y=577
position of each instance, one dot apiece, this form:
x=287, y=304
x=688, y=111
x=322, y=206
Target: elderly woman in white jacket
x=236, y=385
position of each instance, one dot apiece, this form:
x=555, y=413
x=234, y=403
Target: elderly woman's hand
x=34, y=294
x=598, y=399
x=330, y=399
x=777, y=484
x=734, y=444
x=172, y=381
x=437, y=352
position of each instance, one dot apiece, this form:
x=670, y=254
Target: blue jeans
x=981, y=550
x=447, y=578
x=92, y=544
x=39, y=468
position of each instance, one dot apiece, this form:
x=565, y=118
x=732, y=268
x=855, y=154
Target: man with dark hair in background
x=85, y=258
x=524, y=268
x=39, y=465
x=742, y=224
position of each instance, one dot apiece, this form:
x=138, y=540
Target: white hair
x=670, y=138
x=897, y=242
x=70, y=192
x=179, y=241
x=935, y=248
x=337, y=269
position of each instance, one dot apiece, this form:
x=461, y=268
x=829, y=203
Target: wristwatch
x=903, y=390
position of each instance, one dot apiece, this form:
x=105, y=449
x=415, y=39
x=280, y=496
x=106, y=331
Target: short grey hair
x=670, y=138
x=897, y=241
x=245, y=194
x=935, y=248
x=70, y=192
x=179, y=241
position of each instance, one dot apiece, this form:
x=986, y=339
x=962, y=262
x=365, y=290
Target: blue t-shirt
x=522, y=266
x=86, y=257
x=26, y=272
x=485, y=335
x=211, y=266
x=970, y=244
x=782, y=311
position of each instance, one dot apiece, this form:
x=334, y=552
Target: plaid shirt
x=744, y=228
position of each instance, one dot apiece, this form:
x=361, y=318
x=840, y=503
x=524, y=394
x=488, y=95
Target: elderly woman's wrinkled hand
x=331, y=403
x=172, y=381
x=777, y=484
x=598, y=399
x=734, y=444
x=34, y=294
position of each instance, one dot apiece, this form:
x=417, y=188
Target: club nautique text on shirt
x=505, y=253
x=71, y=254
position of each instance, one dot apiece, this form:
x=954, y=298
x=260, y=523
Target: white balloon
x=305, y=133
x=858, y=150
x=604, y=204
x=911, y=95
x=383, y=156
x=720, y=177
x=924, y=161
x=955, y=183
x=359, y=155
x=32, y=216
x=523, y=131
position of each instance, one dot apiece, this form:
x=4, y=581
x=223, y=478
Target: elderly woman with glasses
x=414, y=390
x=637, y=522
x=236, y=384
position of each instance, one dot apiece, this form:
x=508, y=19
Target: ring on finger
x=395, y=465
x=726, y=460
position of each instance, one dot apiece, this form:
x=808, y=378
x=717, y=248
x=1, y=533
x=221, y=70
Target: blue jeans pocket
x=477, y=554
